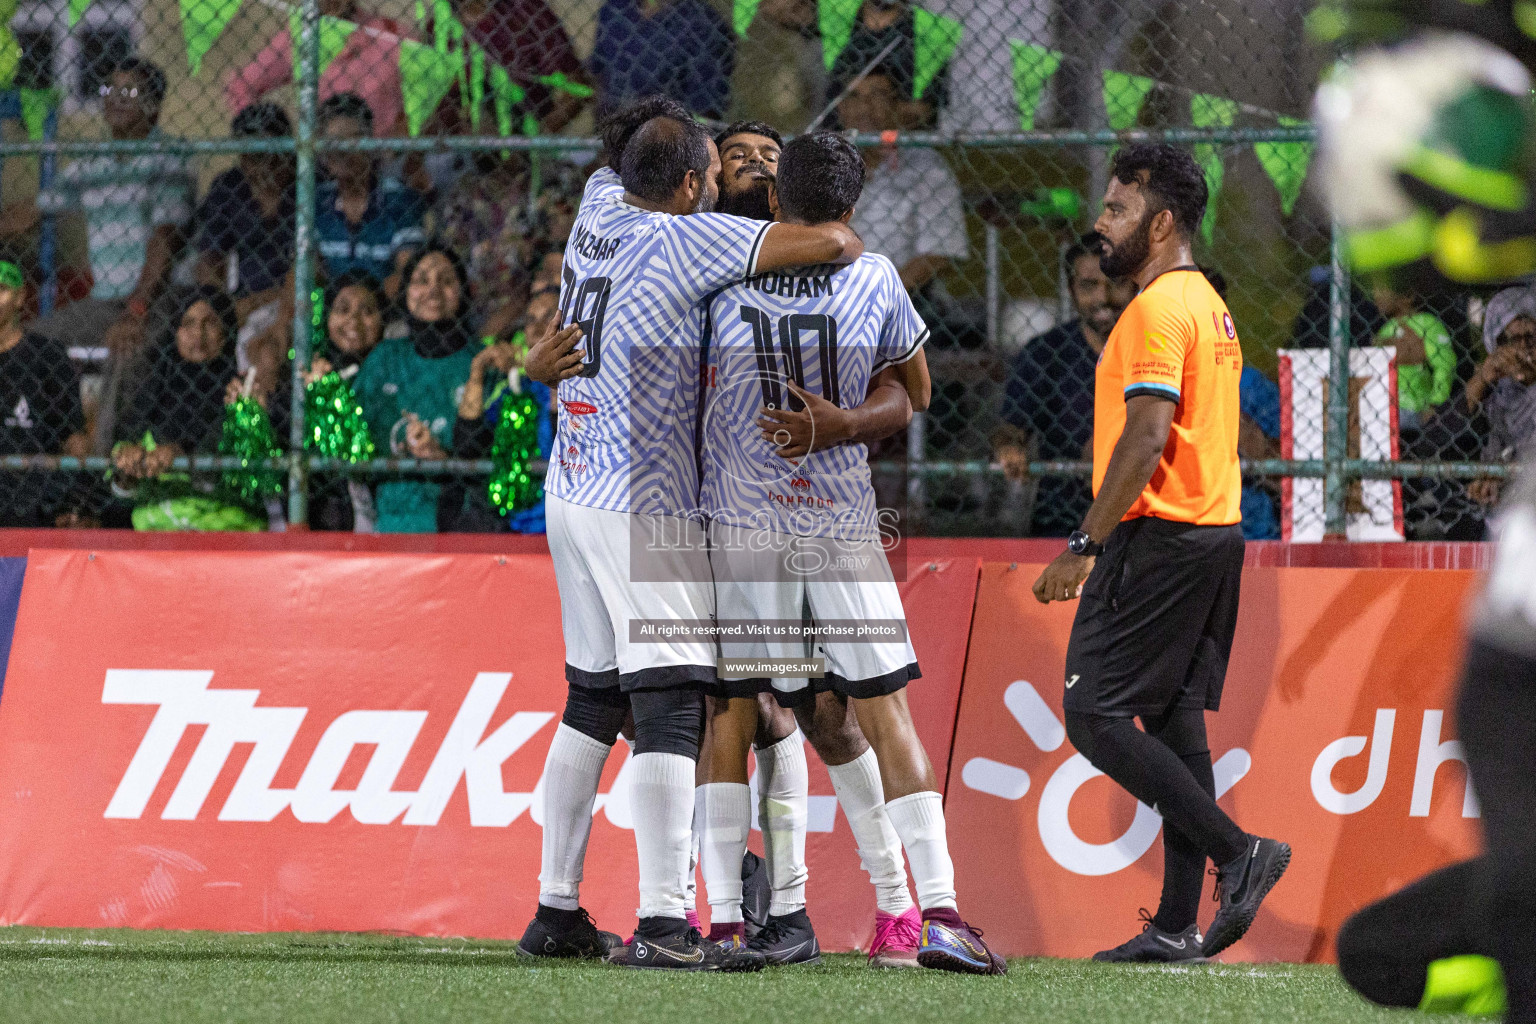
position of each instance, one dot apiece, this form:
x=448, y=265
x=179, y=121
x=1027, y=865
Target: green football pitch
x=194, y=977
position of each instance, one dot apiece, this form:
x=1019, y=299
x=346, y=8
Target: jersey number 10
x=585, y=305
x=791, y=326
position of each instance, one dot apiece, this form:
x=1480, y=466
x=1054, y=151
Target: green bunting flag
x=505, y=94
x=742, y=14
x=1211, y=112
x=835, y=19
x=935, y=40
x=334, y=33
x=202, y=22
x=36, y=105
x=1033, y=66
x=77, y=9
x=1124, y=96
x=561, y=82
x=1286, y=164
x=426, y=75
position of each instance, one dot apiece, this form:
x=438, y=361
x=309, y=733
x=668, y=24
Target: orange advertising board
x=1335, y=735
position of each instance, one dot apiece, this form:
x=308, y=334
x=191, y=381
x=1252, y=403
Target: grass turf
x=76, y=976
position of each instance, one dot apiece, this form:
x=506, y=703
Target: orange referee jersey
x=1176, y=340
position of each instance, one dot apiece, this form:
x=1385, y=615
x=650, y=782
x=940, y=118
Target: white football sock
x=662, y=788
x=724, y=813
x=571, y=773
x=783, y=785
x=691, y=898
x=919, y=820
x=858, y=789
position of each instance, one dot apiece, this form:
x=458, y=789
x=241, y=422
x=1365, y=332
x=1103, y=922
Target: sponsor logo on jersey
x=1228, y=326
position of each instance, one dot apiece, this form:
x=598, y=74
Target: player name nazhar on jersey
x=792, y=285
x=594, y=248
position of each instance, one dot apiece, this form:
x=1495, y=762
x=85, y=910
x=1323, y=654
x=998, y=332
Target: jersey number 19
x=585, y=305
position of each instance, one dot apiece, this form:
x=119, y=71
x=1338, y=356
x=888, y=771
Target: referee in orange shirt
x=1158, y=560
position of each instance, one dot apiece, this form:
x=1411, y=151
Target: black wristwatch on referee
x=1079, y=543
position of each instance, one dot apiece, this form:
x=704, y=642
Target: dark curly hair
x=1174, y=181
x=620, y=126
x=821, y=176
x=762, y=128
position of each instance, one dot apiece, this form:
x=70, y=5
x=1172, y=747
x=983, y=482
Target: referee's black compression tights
x=1182, y=731
x=1151, y=771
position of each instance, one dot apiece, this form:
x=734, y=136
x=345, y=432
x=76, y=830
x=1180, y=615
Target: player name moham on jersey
x=790, y=285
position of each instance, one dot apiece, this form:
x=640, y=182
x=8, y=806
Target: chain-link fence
x=277, y=258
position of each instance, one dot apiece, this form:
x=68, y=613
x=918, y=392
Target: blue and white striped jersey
x=830, y=330
x=636, y=282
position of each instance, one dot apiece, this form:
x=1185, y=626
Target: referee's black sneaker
x=1155, y=946
x=566, y=934
x=787, y=939
x=665, y=944
x=1241, y=885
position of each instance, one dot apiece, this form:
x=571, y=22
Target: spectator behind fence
x=1426, y=362
x=367, y=66
x=677, y=48
x=1504, y=386
x=1258, y=436
x=40, y=411
x=245, y=225
x=352, y=323
x=135, y=210
x=1048, y=398
x=363, y=221
x=484, y=217
x=480, y=411
x=409, y=389
x=910, y=211
x=883, y=36
x=178, y=408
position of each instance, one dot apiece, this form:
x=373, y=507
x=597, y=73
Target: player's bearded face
x=1123, y=256
x=747, y=197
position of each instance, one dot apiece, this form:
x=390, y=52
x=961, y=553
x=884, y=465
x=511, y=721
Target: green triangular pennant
x=1033, y=66
x=835, y=19
x=505, y=94
x=935, y=40
x=564, y=83
x=1124, y=96
x=334, y=33
x=1286, y=164
x=77, y=8
x=202, y=22
x=1208, y=111
x=476, y=85
x=743, y=12
x=425, y=78
x=35, y=107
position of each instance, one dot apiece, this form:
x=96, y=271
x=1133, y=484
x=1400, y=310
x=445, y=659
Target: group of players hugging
x=728, y=352
x=720, y=375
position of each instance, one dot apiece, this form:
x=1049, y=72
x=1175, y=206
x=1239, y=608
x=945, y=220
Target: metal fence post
x=1336, y=436
x=994, y=287
x=304, y=257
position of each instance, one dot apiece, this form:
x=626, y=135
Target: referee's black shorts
x=1155, y=622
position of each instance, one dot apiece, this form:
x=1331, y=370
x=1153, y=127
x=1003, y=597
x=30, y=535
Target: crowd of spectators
x=435, y=269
